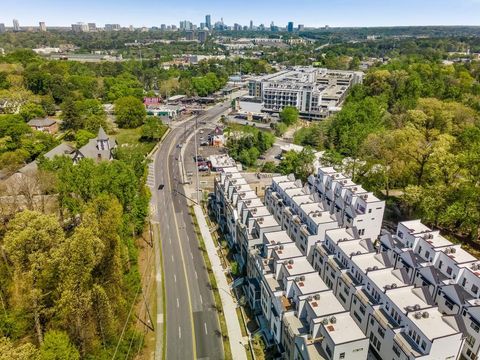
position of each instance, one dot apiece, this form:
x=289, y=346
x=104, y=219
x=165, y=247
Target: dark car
x=161, y=186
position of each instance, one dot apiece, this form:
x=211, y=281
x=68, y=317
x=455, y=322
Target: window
x=474, y=289
x=342, y=355
x=369, y=211
x=396, y=350
x=427, y=254
x=474, y=326
x=464, y=281
x=440, y=264
x=381, y=332
x=424, y=345
x=449, y=270
x=400, y=235
x=419, y=249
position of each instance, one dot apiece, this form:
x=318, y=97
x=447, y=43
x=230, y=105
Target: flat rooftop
x=287, y=251
x=384, y=277
x=326, y=305
x=299, y=266
x=434, y=326
x=370, y=260
x=344, y=330
x=357, y=247
x=460, y=255
x=312, y=283
x=340, y=234
x=267, y=221
x=277, y=237
x=408, y=296
x=415, y=226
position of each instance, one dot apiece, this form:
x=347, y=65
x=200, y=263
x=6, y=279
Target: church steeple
x=102, y=140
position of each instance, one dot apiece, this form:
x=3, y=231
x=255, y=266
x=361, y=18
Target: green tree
x=57, y=346
x=130, y=112
x=298, y=163
x=31, y=111
x=8, y=351
x=153, y=129
x=289, y=115
x=82, y=137
x=31, y=243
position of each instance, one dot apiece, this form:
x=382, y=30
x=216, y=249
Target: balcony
x=407, y=344
x=365, y=298
x=384, y=319
x=335, y=264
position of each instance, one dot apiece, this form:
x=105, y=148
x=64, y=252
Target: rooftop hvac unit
x=325, y=321
x=317, y=297
x=453, y=250
x=365, y=196
x=248, y=202
x=387, y=287
x=359, y=252
x=425, y=314
x=309, y=298
x=297, y=279
x=410, y=308
x=418, y=315
x=290, y=261
x=242, y=195
x=260, y=220
x=281, y=247
x=333, y=319
x=302, y=278
x=416, y=307
x=394, y=286
x=352, y=254
x=275, y=248
x=375, y=267
x=369, y=269
x=238, y=187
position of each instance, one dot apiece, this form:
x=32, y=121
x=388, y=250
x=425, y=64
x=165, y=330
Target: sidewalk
x=228, y=304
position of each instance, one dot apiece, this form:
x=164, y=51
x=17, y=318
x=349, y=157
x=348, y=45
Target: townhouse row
x=316, y=260
x=297, y=311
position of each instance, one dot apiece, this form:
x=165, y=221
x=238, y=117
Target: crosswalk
x=151, y=175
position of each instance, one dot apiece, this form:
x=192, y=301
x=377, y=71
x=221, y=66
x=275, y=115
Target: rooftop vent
x=418, y=315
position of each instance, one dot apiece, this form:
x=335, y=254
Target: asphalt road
x=193, y=330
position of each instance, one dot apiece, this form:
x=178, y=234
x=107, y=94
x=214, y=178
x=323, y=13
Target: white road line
x=174, y=277
x=172, y=259
x=179, y=332
x=178, y=303
x=201, y=300
x=191, y=254
x=196, y=275
x=206, y=331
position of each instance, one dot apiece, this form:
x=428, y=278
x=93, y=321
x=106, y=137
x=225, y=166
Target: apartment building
x=327, y=285
x=315, y=92
x=281, y=285
x=400, y=318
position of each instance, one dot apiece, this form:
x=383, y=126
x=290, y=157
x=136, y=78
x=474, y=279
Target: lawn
x=133, y=137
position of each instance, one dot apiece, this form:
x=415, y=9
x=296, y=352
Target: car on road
x=179, y=146
x=161, y=186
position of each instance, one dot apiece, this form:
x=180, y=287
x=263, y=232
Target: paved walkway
x=228, y=303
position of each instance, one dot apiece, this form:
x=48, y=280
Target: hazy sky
x=307, y=12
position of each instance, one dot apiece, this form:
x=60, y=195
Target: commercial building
x=290, y=27
x=112, y=27
x=315, y=92
x=208, y=22
x=16, y=25
x=42, y=26
x=80, y=27
x=92, y=26
x=2, y=28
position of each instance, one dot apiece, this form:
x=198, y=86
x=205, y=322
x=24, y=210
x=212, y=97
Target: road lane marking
x=179, y=332
x=201, y=300
x=173, y=259
x=174, y=277
x=206, y=331
x=196, y=275
x=159, y=318
x=178, y=303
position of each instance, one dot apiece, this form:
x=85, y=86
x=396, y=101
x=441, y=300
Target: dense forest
x=413, y=128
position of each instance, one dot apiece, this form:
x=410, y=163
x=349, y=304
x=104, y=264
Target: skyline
x=311, y=13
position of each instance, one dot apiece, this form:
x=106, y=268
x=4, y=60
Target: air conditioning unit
x=417, y=307
x=453, y=250
x=425, y=314
x=297, y=279
x=317, y=297
x=333, y=319
x=369, y=269
x=394, y=286
x=290, y=261
x=418, y=315
x=281, y=247
x=375, y=268
x=387, y=287
x=325, y=321
x=302, y=278
x=359, y=252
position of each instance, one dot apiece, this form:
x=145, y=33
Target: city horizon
x=346, y=14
